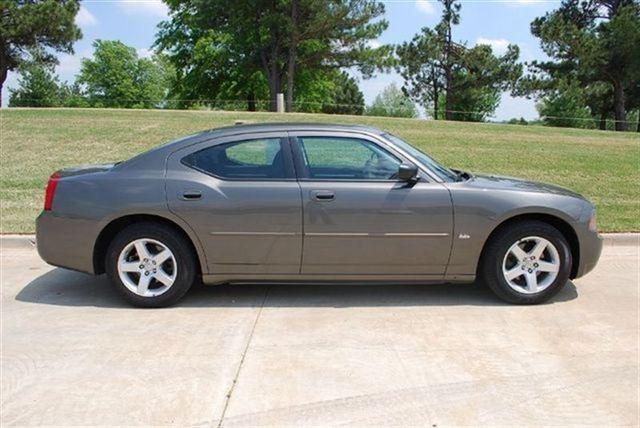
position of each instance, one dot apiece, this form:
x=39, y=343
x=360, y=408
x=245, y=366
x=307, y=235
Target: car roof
x=291, y=126
x=160, y=152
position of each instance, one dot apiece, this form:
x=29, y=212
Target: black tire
x=174, y=241
x=491, y=274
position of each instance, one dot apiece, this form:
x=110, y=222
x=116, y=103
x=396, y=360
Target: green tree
x=515, y=121
x=71, y=95
x=444, y=75
x=117, y=77
x=257, y=41
x=565, y=107
x=38, y=85
x=392, y=102
x=30, y=24
x=591, y=42
x=346, y=97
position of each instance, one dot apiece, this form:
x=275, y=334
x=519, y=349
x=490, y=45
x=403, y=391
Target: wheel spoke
x=513, y=273
x=162, y=257
x=141, y=249
x=143, y=284
x=518, y=253
x=538, y=249
x=130, y=267
x=547, y=267
x=161, y=276
x=532, y=281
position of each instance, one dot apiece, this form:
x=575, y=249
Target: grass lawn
x=602, y=165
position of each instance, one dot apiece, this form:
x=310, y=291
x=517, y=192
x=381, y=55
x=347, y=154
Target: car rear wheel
x=526, y=263
x=150, y=264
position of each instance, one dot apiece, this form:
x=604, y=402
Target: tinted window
x=251, y=159
x=347, y=159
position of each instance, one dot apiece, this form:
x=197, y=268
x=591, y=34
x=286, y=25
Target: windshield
x=441, y=171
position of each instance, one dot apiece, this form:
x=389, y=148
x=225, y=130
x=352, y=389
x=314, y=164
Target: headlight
x=592, y=221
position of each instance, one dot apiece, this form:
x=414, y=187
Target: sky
x=493, y=22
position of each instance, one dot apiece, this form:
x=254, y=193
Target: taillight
x=51, y=191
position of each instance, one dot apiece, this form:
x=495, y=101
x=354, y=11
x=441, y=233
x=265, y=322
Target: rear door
x=241, y=197
x=359, y=219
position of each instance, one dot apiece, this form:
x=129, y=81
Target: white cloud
x=375, y=44
x=499, y=46
x=69, y=65
x=155, y=8
x=84, y=18
x=425, y=6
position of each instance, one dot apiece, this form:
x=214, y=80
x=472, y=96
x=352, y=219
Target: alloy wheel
x=147, y=267
x=531, y=265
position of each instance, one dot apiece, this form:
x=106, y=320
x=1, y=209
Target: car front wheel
x=526, y=263
x=150, y=264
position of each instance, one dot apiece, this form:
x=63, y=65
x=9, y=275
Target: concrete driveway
x=73, y=353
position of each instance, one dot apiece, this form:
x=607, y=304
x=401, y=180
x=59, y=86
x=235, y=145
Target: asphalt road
x=73, y=353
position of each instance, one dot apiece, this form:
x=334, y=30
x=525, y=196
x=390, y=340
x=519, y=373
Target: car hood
x=517, y=184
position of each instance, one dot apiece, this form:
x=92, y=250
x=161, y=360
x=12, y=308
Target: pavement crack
x=244, y=354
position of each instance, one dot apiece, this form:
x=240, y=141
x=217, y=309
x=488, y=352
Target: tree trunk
x=448, y=113
x=436, y=99
x=274, y=89
x=251, y=101
x=290, y=76
x=436, y=94
x=603, y=121
x=637, y=129
x=448, y=74
x=275, y=83
x=3, y=77
x=4, y=65
x=618, y=106
x=270, y=57
x=291, y=60
x=274, y=76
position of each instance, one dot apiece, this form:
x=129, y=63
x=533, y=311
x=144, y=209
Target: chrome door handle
x=323, y=195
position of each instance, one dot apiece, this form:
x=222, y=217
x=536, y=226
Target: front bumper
x=590, y=250
x=65, y=242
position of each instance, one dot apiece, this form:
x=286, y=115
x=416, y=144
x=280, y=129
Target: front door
x=241, y=198
x=359, y=219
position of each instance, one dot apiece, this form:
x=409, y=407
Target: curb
x=621, y=239
x=17, y=241
x=610, y=240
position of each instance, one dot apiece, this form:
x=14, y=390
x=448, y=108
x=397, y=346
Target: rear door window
x=255, y=159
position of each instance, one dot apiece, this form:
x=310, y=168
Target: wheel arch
x=111, y=229
x=560, y=224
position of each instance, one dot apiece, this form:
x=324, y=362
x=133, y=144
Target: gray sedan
x=310, y=203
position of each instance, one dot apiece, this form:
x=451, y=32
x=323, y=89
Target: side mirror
x=408, y=172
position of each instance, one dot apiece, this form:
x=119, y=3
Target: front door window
x=339, y=158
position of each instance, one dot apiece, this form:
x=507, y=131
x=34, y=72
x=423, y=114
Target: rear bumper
x=590, y=249
x=65, y=242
